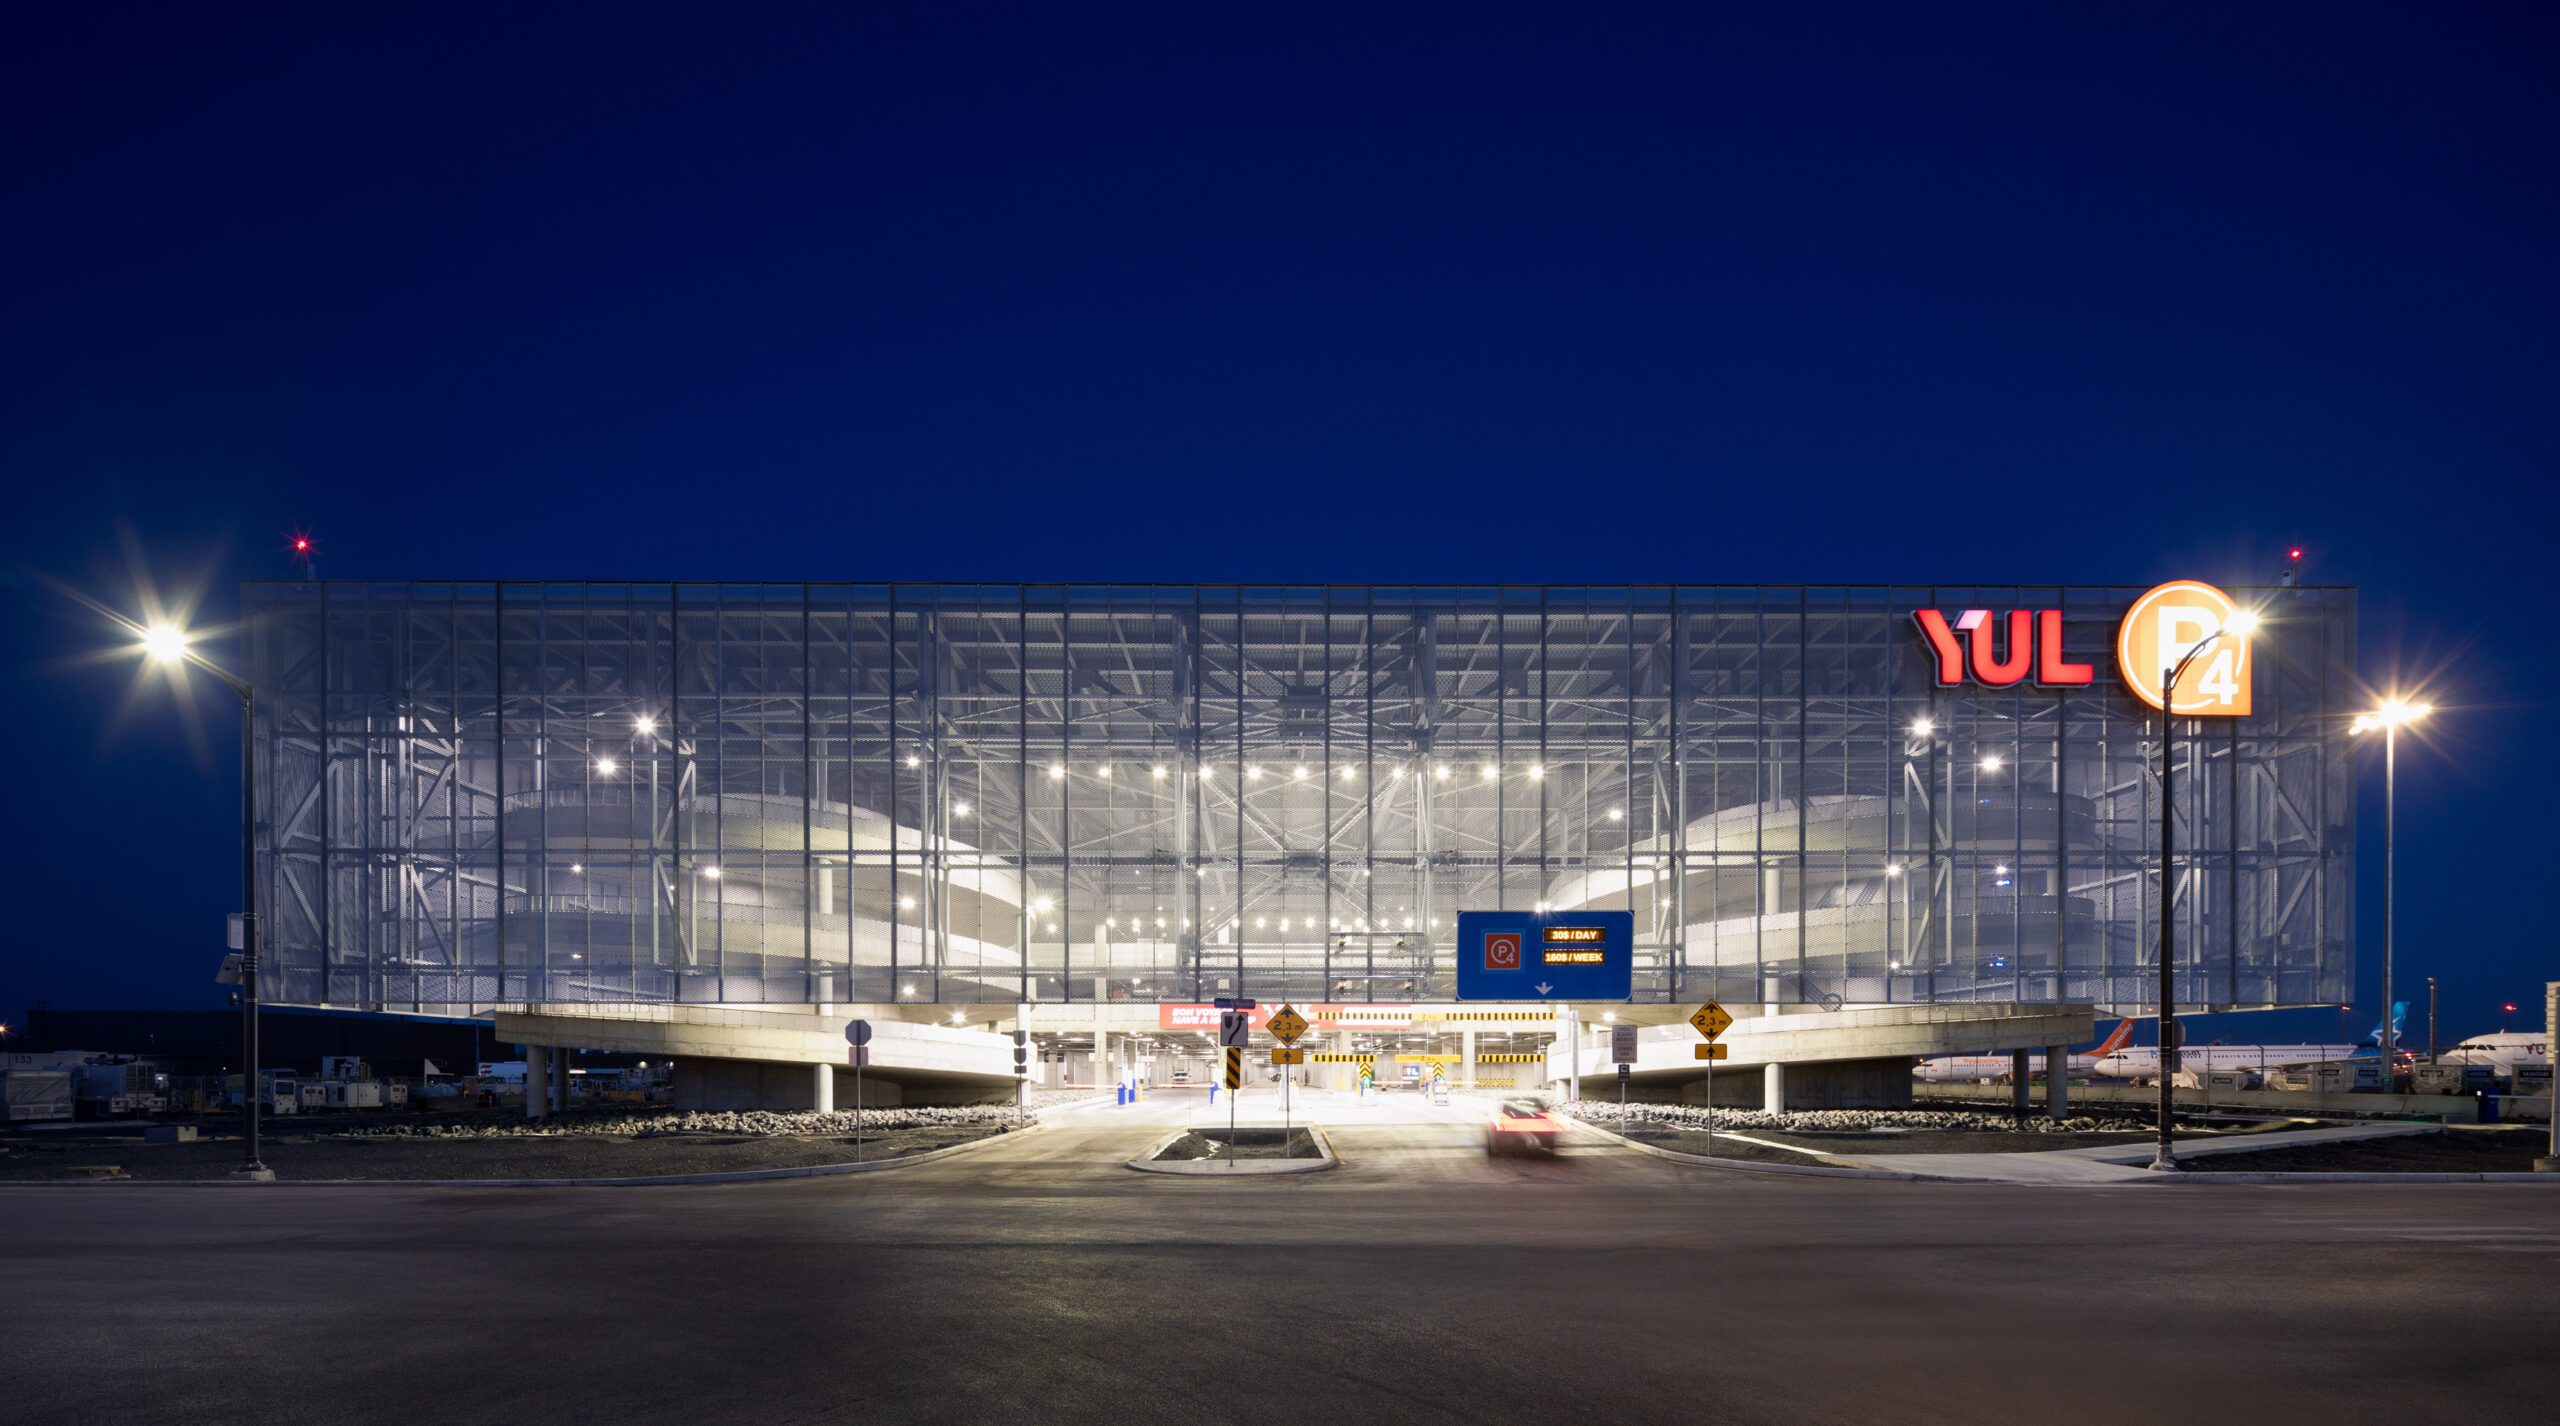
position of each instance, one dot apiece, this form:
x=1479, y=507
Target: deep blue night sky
x=1804, y=293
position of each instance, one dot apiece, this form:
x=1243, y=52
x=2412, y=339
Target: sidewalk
x=2121, y=1163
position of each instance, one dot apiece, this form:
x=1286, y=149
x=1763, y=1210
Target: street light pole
x=2388, y=718
x=2240, y=622
x=251, y=1166
x=2166, y=1157
x=168, y=645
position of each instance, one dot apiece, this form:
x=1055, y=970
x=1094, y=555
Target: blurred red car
x=1521, y=1126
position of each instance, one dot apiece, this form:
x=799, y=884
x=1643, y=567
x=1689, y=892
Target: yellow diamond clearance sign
x=1711, y=1019
x=1287, y=1025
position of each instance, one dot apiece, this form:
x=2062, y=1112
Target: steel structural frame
x=882, y=792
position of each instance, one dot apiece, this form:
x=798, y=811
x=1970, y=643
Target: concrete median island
x=1240, y=1152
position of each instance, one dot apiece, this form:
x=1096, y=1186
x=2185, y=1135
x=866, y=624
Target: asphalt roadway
x=1038, y=1280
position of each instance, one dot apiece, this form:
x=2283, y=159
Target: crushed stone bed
x=615, y=1146
x=1675, y=1117
x=1205, y=1144
x=684, y=1121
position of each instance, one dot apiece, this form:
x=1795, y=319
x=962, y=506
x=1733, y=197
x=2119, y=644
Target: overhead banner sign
x=2005, y=648
x=1546, y=955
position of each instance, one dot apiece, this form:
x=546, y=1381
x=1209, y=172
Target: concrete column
x=1102, y=1074
x=1571, y=1027
x=537, y=1081
x=1030, y=1048
x=2057, y=1081
x=1467, y=1047
x=560, y=1077
x=823, y=1090
x=2020, y=1069
x=1773, y=1087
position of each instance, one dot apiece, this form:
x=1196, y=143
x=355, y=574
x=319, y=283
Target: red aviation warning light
x=302, y=546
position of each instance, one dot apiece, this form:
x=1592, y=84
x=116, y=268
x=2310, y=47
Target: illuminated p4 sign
x=2167, y=624
x=1973, y=642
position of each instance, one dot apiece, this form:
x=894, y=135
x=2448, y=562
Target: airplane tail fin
x=2115, y=1040
x=2399, y=1013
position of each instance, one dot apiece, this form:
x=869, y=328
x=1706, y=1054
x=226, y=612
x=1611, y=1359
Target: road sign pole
x=1710, y=1021
x=857, y=1033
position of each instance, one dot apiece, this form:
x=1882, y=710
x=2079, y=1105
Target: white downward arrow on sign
x=1543, y=987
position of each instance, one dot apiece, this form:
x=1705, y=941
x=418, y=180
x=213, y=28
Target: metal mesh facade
x=475, y=794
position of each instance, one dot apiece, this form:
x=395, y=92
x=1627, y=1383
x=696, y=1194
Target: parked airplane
x=2142, y=1062
x=1966, y=1069
x=2503, y=1051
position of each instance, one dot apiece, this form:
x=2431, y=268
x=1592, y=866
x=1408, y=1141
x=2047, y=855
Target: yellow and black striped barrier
x=1342, y=1059
x=1510, y=1059
x=1235, y=1069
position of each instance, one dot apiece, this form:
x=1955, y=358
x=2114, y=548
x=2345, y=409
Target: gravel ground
x=2451, y=1151
x=1250, y=1144
x=655, y=1123
x=487, y=1156
x=2010, y=1131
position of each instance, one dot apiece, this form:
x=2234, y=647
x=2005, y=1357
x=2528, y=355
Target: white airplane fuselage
x=2143, y=1062
x=1966, y=1069
x=2503, y=1051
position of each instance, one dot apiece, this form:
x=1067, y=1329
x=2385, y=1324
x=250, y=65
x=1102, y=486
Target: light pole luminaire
x=168, y=645
x=2240, y=621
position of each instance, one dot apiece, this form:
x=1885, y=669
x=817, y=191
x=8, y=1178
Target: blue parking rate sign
x=1546, y=955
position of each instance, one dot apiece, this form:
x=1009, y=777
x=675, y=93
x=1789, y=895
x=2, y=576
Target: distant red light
x=2297, y=554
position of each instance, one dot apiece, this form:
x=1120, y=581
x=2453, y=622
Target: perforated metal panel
x=992, y=793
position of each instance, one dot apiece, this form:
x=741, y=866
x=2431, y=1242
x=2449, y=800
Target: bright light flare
x=2393, y=713
x=164, y=643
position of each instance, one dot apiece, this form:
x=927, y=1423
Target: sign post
x=1285, y=1026
x=1711, y=1021
x=1235, y=1032
x=857, y=1033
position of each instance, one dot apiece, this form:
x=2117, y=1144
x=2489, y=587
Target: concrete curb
x=1755, y=1166
x=2246, y=1176
x=655, y=1181
x=1237, y=1168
